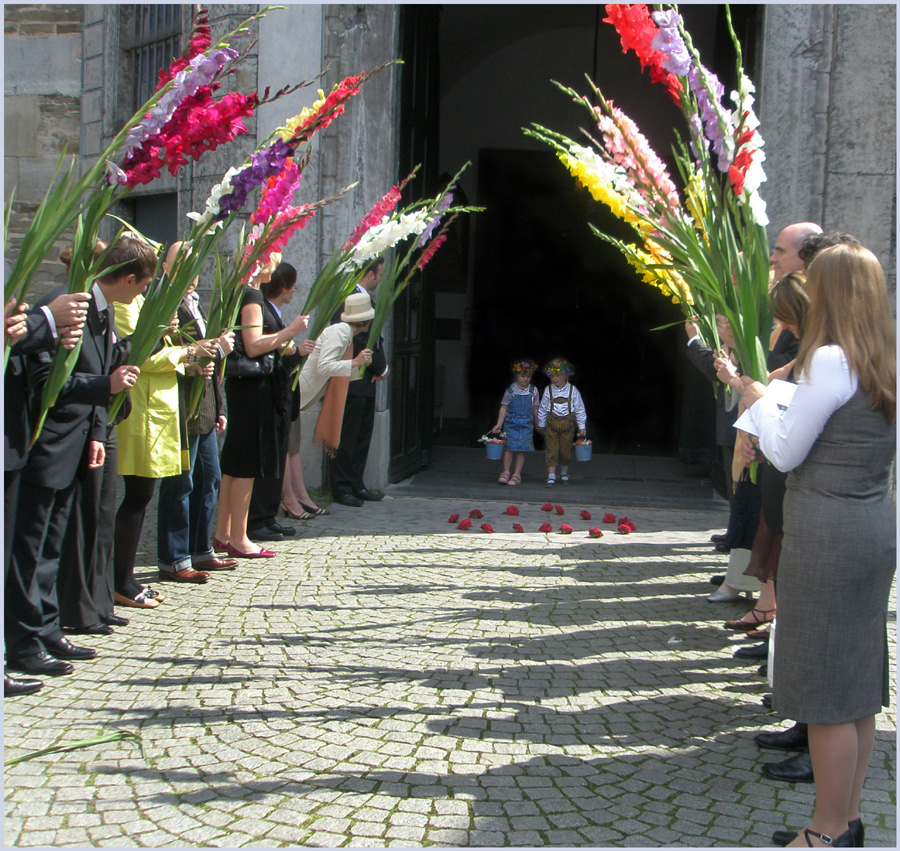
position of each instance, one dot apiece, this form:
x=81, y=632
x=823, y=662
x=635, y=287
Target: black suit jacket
x=20, y=404
x=212, y=403
x=81, y=410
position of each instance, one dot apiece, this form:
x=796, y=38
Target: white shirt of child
x=556, y=398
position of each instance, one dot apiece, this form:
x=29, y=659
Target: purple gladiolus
x=445, y=203
x=710, y=115
x=263, y=164
x=669, y=41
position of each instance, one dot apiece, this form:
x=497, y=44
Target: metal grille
x=156, y=41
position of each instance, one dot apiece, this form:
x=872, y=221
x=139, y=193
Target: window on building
x=153, y=40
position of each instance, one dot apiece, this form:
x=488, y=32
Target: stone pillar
x=42, y=88
x=828, y=112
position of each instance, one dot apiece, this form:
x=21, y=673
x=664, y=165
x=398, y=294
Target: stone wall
x=828, y=110
x=42, y=104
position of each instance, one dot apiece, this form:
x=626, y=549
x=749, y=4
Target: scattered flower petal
x=512, y=510
x=464, y=524
x=565, y=529
x=486, y=527
x=595, y=533
x=609, y=518
x=585, y=514
x=453, y=518
x=546, y=527
x=559, y=510
x=476, y=514
x=547, y=506
x=517, y=527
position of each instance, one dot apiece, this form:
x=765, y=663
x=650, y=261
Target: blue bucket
x=494, y=451
x=583, y=451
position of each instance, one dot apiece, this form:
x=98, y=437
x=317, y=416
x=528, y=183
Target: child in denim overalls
x=518, y=411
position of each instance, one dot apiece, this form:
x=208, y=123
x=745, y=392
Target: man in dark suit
x=347, y=468
x=72, y=439
x=29, y=333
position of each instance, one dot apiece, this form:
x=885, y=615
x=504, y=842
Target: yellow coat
x=149, y=439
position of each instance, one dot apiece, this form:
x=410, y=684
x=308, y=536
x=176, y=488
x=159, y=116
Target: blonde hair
x=790, y=301
x=849, y=307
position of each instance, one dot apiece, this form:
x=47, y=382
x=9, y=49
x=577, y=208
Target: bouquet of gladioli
x=708, y=251
x=175, y=120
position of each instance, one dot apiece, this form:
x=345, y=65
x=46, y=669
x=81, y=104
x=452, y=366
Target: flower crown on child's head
x=558, y=366
x=522, y=365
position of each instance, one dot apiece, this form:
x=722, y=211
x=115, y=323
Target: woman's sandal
x=845, y=840
x=514, y=479
x=756, y=622
x=288, y=513
x=142, y=601
x=504, y=478
x=314, y=510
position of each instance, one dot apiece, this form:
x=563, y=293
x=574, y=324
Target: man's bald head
x=785, y=257
x=171, y=254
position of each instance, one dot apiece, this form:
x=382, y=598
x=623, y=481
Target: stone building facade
x=826, y=98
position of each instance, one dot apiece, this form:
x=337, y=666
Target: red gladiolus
x=565, y=529
x=517, y=527
x=559, y=510
x=547, y=506
x=545, y=527
x=381, y=209
x=636, y=30
x=476, y=514
x=512, y=510
x=585, y=514
x=737, y=171
x=609, y=518
x=200, y=42
x=453, y=518
x=331, y=109
x=464, y=524
x=431, y=250
x=595, y=533
x=486, y=527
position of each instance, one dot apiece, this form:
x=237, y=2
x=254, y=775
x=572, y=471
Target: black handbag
x=239, y=365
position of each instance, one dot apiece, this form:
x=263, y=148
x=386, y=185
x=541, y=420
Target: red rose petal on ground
x=512, y=510
x=517, y=527
x=565, y=529
x=585, y=514
x=486, y=527
x=453, y=518
x=547, y=506
x=476, y=514
x=545, y=527
x=609, y=518
x=465, y=523
x=595, y=533
x=559, y=509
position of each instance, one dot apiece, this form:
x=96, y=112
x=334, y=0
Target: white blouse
x=825, y=385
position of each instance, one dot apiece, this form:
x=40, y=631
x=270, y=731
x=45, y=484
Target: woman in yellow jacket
x=150, y=448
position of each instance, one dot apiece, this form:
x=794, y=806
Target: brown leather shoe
x=218, y=564
x=186, y=575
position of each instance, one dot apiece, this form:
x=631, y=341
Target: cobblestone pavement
x=389, y=680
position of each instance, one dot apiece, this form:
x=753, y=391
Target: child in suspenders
x=561, y=409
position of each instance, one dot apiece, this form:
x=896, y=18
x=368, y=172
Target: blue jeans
x=187, y=507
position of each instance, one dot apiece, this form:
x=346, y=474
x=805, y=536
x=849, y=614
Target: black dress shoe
x=17, y=686
x=349, y=499
x=757, y=651
x=717, y=539
x=797, y=769
x=93, y=629
x=855, y=829
x=264, y=533
x=721, y=548
x=40, y=663
x=763, y=670
x=717, y=580
x=766, y=701
x=793, y=739
x=62, y=648
x=114, y=620
x=368, y=496
x=285, y=531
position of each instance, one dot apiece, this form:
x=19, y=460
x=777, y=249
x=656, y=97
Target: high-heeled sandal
x=746, y=626
x=855, y=829
x=314, y=510
x=288, y=513
x=845, y=840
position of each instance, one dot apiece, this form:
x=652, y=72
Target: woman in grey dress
x=837, y=438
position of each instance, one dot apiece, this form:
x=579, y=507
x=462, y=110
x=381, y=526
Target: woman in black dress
x=255, y=443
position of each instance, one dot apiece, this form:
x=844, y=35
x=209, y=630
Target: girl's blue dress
x=519, y=421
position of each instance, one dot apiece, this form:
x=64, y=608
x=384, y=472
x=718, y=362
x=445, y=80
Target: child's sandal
x=515, y=479
x=504, y=478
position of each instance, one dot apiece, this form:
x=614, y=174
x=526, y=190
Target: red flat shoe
x=261, y=553
x=219, y=547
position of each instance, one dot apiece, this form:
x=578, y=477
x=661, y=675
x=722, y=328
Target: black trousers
x=348, y=466
x=31, y=606
x=265, y=498
x=85, y=582
x=128, y=527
